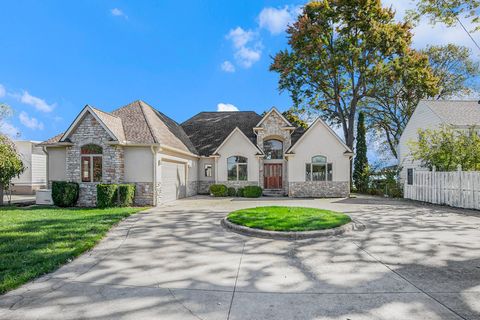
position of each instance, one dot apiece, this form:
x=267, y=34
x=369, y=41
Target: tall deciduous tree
x=448, y=11
x=295, y=119
x=338, y=49
x=454, y=67
x=399, y=88
x=360, y=171
x=10, y=164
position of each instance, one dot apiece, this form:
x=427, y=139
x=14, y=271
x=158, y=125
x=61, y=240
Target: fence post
x=460, y=187
x=434, y=185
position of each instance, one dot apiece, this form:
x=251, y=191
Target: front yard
x=37, y=240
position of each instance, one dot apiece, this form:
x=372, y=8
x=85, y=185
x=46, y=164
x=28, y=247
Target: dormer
x=274, y=126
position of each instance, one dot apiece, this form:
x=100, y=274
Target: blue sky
x=58, y=56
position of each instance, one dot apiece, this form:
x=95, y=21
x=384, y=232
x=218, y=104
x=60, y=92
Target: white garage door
x=173, y=181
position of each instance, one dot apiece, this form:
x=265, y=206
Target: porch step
x=274, y=193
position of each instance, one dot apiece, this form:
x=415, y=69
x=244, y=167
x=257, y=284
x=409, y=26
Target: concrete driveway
x=176, y=262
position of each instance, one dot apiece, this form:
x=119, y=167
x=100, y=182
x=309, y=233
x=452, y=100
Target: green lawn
x=288, y=218
x=37, y=240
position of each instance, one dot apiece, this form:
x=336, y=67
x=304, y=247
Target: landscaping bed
x=290, y=219
x=37, y=240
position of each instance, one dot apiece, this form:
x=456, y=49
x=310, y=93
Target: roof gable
x=319, y=121
x=240, y=132
x=115, y=124
x=274, y=110
x=208, y=130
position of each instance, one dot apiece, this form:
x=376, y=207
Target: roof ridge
x=107, y=113
x=149, y=125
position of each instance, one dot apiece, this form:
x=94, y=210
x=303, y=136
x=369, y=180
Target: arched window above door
x=273, y=149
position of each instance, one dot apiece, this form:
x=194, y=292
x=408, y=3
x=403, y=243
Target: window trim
x=90, y=157
x=328, y=171
x=237, y=165
x=205, y=168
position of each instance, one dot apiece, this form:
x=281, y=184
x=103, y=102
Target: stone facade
x=204, y=187
x=238, y=184
x=273, y=127
x=89, y=131
x=144, y=193
x=319, y=189
x=192, y=188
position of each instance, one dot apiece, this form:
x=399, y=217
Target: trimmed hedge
x=65, y=194
x=240, y=192
x=127, y=194
x=115, y=195
x=252, y=192
x=218, y=190
x=232, y=192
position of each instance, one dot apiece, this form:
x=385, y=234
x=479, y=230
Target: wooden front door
x=272, y=173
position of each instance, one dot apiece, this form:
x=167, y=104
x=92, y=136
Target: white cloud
x=226, y=107
x=276, y=20
x=118, y=13
x=28, y=122
x=2, y=91
x=9, y=130
x=227, y=66
x=36, y=102
x=247, y=49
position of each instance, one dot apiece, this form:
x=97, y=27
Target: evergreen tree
x=361, y=169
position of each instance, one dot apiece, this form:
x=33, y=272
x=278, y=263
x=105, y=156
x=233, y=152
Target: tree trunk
x=1, y=195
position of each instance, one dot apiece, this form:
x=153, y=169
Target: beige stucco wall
x=57, y=161
x=318, y=141
x=201, y=169
x=237, y=145
x=138, y=164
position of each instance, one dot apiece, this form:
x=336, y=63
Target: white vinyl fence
x=457, y=189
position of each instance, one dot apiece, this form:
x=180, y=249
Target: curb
x=285, y=235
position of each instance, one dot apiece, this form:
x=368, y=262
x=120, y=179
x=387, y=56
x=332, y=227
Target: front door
x=272, y=173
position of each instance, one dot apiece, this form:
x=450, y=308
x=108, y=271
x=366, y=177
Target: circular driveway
x=403, y=261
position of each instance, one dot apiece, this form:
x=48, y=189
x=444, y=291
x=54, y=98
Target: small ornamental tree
x=10, y=164
x=361, y=169
x=446, y=148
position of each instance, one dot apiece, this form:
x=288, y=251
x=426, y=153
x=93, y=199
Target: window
x=410, y=176
x=237, y=168
x=273, y=149
x=208, y=170
x=91, y=163
x=319, y=169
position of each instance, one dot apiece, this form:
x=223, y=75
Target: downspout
x=46, y=169
x=154, y=155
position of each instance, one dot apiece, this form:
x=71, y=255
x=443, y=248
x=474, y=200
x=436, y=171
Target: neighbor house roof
x=207, y=130
x=455, y=112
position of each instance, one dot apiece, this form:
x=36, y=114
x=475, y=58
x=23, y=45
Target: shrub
x=218, y=190
x=106, y=195
x=126, y=194
x=240, y=192
x=64, y=194
x=232, y=192
x=115, y=195
x=252, y=191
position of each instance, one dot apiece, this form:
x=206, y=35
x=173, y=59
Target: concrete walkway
x=409, y=262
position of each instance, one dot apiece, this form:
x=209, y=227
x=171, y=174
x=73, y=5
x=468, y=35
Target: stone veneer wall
x=204, y=187
x=192, y=188
x=319, y=189
x=143, y=193
x=238, y=184
x=90, y=131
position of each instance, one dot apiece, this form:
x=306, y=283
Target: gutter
x=154, y=155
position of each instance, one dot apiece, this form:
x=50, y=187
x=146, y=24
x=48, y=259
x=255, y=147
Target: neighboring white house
x=35, y=175
x=431, y=114
x=167, y=161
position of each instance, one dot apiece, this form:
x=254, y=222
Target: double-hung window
x=318, y=169
x=237, y=168
x=208, y=170
x=91, y=163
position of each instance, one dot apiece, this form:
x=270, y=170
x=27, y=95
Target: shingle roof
x=113, y=123
x=136, y=127
x=456, y=112
x=207, y=130
x=52, y=140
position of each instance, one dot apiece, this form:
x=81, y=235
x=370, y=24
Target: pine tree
x=361, y=168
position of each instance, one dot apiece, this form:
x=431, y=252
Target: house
x=432, y=114
x=35, y=162
x=167, y=161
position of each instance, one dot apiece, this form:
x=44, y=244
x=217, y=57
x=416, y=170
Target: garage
x=173, y=181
